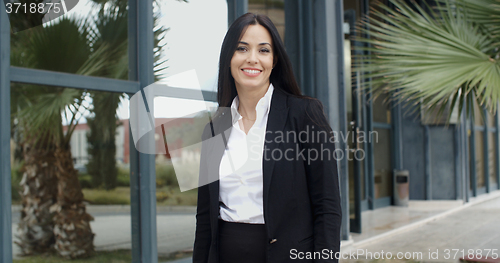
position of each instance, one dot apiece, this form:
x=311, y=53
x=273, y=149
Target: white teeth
x=251, y=71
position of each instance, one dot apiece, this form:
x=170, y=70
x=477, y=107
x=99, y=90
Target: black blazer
x=301, y=197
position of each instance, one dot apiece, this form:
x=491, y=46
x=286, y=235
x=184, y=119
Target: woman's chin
x=253, y=85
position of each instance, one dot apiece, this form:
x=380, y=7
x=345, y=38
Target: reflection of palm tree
x=111, y=30
x=61, y=46
x=436, y=57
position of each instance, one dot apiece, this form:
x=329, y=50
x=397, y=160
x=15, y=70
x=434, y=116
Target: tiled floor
x=384, y=220
x=474, y=227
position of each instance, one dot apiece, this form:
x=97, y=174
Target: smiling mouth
x=252, y=71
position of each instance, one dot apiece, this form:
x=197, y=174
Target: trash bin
x=401, y=187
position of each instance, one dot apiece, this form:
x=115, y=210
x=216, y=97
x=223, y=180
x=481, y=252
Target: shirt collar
x=262, y=106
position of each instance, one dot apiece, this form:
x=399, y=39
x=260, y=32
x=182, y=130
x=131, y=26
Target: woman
x=276, y=195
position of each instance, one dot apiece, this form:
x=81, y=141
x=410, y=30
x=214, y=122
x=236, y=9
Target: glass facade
x=89, y=40
x=274, y=9
x=69, y=146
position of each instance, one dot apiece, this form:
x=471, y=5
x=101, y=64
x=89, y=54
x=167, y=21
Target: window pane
x=381, y=110
x=83, y=42
x=478, y=117
x=189, y=46
x=492, y=157
x=87, y=157
x=176, y=167
x=491, y=120
x=382, y=161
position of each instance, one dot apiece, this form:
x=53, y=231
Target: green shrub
x=85, y=181
x=165, y=175
x=117, y=196
x=123, y=178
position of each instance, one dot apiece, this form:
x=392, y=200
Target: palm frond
x=430, y=58
x=485, y=13
x=61, y=46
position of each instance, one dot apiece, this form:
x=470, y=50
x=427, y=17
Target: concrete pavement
x=428, y=233
x=112, y=228
x=471, y=228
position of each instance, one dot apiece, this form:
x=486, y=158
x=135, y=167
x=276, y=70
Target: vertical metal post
x=293, y=35
x=302, y=51
x=299, y=41
x=485, y=152
x=457, y=150
x=428, y=176
x=235, y=9
x=497, y=149
x=467, y=174
x=329, y=75
x=142, y=166
x=134, y=159
x=308, y=42
x=370, y=163
x=357, y=103
x=5, y=175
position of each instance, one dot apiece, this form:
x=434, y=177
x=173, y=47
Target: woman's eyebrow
x=245, y=43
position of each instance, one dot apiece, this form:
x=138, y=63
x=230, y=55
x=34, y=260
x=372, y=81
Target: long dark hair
x=282, y=76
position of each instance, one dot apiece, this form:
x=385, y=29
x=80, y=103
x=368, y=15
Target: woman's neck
x=248, y=100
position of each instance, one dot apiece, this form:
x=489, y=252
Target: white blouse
x=240, y=170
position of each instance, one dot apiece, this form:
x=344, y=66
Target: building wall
x=442, y=161
x=414, y=154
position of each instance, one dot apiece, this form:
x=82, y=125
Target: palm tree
x=64, y=47
x=438, y=57
x=111, y=29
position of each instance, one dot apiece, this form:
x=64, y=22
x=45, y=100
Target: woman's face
x=252, y=61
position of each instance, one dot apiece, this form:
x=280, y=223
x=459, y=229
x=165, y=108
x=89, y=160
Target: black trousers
x=242, y=243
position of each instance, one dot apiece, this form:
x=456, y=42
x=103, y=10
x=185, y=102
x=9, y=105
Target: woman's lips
x=251, y=72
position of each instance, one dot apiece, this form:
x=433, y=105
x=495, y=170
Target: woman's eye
x=241, y=48
x=265, y=50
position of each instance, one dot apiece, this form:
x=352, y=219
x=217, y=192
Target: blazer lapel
x=276, y=121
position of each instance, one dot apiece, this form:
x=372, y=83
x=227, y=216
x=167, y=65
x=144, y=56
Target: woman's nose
x=252, y=57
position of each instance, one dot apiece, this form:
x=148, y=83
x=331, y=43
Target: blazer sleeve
x=322, y=180
x=203, y=234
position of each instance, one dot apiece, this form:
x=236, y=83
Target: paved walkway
x=112, y=228
x=445, y=239
x=422, y=229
